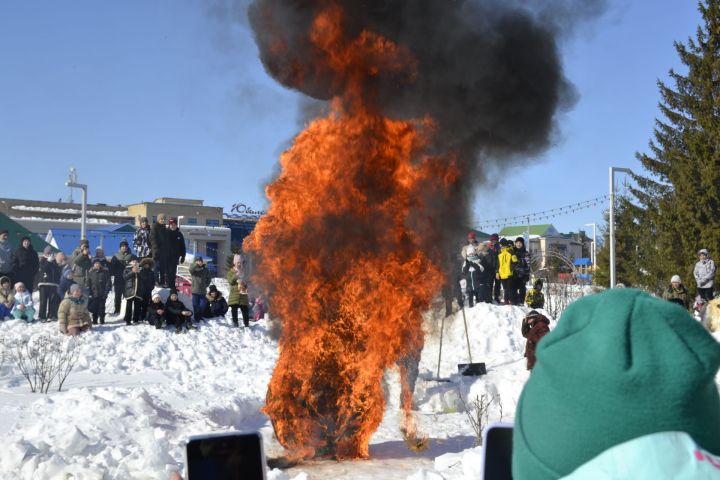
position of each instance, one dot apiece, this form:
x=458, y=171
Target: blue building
x=106, y=236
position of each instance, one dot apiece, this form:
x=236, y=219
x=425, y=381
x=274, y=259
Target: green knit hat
x=619, y=365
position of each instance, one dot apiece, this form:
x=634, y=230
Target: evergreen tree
x=678, y=203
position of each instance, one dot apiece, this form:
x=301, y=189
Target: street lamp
x=612, y=220
x=72, y=183
x=593, y=250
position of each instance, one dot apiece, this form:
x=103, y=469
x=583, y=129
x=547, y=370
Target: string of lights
x=497, y=223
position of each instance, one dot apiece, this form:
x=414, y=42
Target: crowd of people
x=497, y=264
x=488, y=267
x=74, y=289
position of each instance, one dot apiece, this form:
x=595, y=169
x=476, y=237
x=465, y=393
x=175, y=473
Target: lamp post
x=593, y=249
x=72, y=183
x=613, y=170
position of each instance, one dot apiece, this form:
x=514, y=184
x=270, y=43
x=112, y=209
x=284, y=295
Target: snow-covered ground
x=137, y=393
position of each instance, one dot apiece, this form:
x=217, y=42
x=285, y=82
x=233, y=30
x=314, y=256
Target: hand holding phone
x=225, y=456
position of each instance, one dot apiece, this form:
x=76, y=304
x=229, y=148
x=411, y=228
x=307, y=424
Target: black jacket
x=99, y=282
x=152, y=316
x=147, y=277
x=159, y=240
x=217, y=307
x=173, y=311
x=25, y=263
x=118, y=262
x=175, y=246
x=132, y=283
x=49, y=273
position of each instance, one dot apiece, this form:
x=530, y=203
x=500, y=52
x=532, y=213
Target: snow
x=98, y=221
x=138, y=392
x=77, y=211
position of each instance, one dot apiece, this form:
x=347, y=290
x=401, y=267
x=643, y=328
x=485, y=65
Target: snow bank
x=138, y=392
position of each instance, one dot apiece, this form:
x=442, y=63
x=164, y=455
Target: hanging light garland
x=497, y=223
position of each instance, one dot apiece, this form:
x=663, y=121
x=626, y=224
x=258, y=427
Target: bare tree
x=43, y=358
x=478, y=412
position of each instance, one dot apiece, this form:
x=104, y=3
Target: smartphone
x=225, y=456
x=497, y=451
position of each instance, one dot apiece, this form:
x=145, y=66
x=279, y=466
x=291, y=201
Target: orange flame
x=342, y=251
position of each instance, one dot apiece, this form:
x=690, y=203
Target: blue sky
x=168, y=98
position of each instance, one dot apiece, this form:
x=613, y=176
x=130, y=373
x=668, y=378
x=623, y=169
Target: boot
x=102, y=320
x=236, y=323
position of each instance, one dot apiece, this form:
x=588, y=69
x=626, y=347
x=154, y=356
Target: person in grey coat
x=201, y=279
x=705, y=275
x=6, y=251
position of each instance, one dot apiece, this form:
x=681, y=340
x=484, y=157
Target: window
x=192, y=221
x=212, y=223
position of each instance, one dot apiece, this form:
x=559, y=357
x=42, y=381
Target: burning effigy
x=353, y=248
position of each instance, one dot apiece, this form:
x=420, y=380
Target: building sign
x=239, y=210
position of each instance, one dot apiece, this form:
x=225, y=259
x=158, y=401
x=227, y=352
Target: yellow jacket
x=506, y=259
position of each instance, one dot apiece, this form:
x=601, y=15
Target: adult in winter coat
x=48, y=282
x=521, y=272
x=73, y=315
x=534, y=327
x=81, y=265
x=5, y=255
x=159, y=246
x=155, y=311
x=705, y=275
x=495, y=251
x=118, y=263
x=175, y=251
x=535, y=297
x=25, y=264
x=474, y=271
x=147, y=283
x=7, y=297
x=176, y=313
x=677, y=293
x=506, y=266
x=216, y=304
x=141, y=239
x=23, y=307
x=99, y=287
x=238, y=295
x=133, y=293
x=201, y=279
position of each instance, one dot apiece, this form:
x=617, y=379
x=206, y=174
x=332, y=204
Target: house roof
x=17, y=232
x=519, y=230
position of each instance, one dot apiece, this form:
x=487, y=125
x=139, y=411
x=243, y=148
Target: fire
x=344, y=252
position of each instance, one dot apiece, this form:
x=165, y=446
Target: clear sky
x=168, y=98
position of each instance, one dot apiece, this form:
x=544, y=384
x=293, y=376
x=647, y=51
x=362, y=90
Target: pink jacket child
x=259, y=309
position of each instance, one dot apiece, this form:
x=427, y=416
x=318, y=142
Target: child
x=7, y=298
x=176, y=313
x=98, y=280
x=534, y=327
x=23, y=308
x=535, y=297
x=217, y=306
x=156, y=311
x=259, y=309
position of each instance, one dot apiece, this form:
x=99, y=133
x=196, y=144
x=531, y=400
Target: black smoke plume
x=488, y=72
